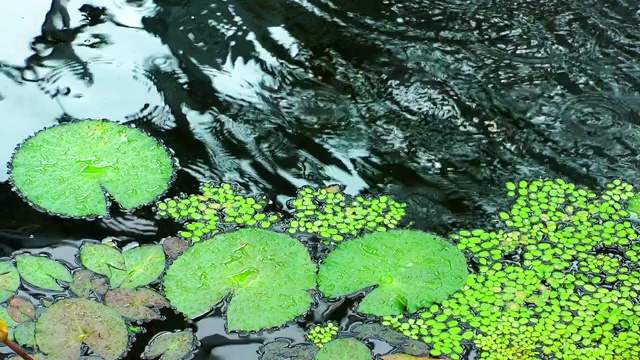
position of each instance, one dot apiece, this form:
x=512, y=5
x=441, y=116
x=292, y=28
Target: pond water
x=438, y=103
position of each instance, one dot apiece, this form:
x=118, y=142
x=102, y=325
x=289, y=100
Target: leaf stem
x=17, y=350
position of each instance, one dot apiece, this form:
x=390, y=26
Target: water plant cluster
x=333, y=215
x=204, y=215
x=559, y=280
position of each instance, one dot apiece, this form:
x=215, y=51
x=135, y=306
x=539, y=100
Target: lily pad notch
x=410, y=270
x=74, y=169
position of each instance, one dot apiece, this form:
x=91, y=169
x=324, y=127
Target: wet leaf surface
x=134, y=268
x=42, y=272
x=9, y=280
x=170, y=346
x=136, y=304
x=174, y=247
x=339, y=349
x=65, y=169
x=410, y=269
x=86, y=281
x=67, y=324
x=270, y=275
x=21, y=309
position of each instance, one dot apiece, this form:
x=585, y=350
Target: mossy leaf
x=9, y=280
x=411, y=270
x=42, y=272
x=25, y=334
x=135, y=267
x=67, y=324
x=270, y=275
x=67, y=169
x=136, y=304
x=170, y=346
x=344, y=349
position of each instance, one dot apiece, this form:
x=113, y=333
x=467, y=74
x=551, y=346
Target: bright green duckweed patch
x=321, y=335
x=332, y=215
x=203, y=214
x=561, y=280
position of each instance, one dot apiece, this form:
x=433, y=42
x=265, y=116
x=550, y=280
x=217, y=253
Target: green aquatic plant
x=332, y=215
x=410, y=269
x=171, y=345
x=321, y=335
x=70, y=169
x=203, y=215
x=270, y=275
x=345, y=348
x=9, y=280
x=561, y=280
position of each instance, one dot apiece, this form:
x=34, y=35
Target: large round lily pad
x=410, y=269
x=270, y=275
x=69, y=169
x=67, y=324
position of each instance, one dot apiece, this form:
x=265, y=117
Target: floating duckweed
x=201, y=214
x=321, y=335
x=560, y=281
x=333, y=215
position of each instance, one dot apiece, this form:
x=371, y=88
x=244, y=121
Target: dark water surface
x=436, y=102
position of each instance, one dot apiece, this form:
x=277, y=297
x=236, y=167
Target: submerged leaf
x=67, y=168
x=67, y=324
x=9, y=280
x=136, y=304
x=174, y=247
x=347, y=349
x=42, y=272
x=134, y=268
x=170, y=346
x=86, y=281
x=21, y=309
x=281, y=349
x=411, y=269
x=270, y=275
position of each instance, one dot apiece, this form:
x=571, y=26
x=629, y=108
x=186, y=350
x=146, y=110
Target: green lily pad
x=25, y=334
x=42, y=272
x=136, y=304
x=9, y=280
x=270, y=275
x=170, y=346
x=67, y=324
x=411, y=270
x=67, y=169
x=135, y=267
x=344, y=349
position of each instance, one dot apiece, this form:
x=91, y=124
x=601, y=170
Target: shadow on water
x=436, y=102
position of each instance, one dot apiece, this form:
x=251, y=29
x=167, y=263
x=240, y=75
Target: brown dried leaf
x=174, y=246
x=136, y=304
x=332, y=189
x=21, y=309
